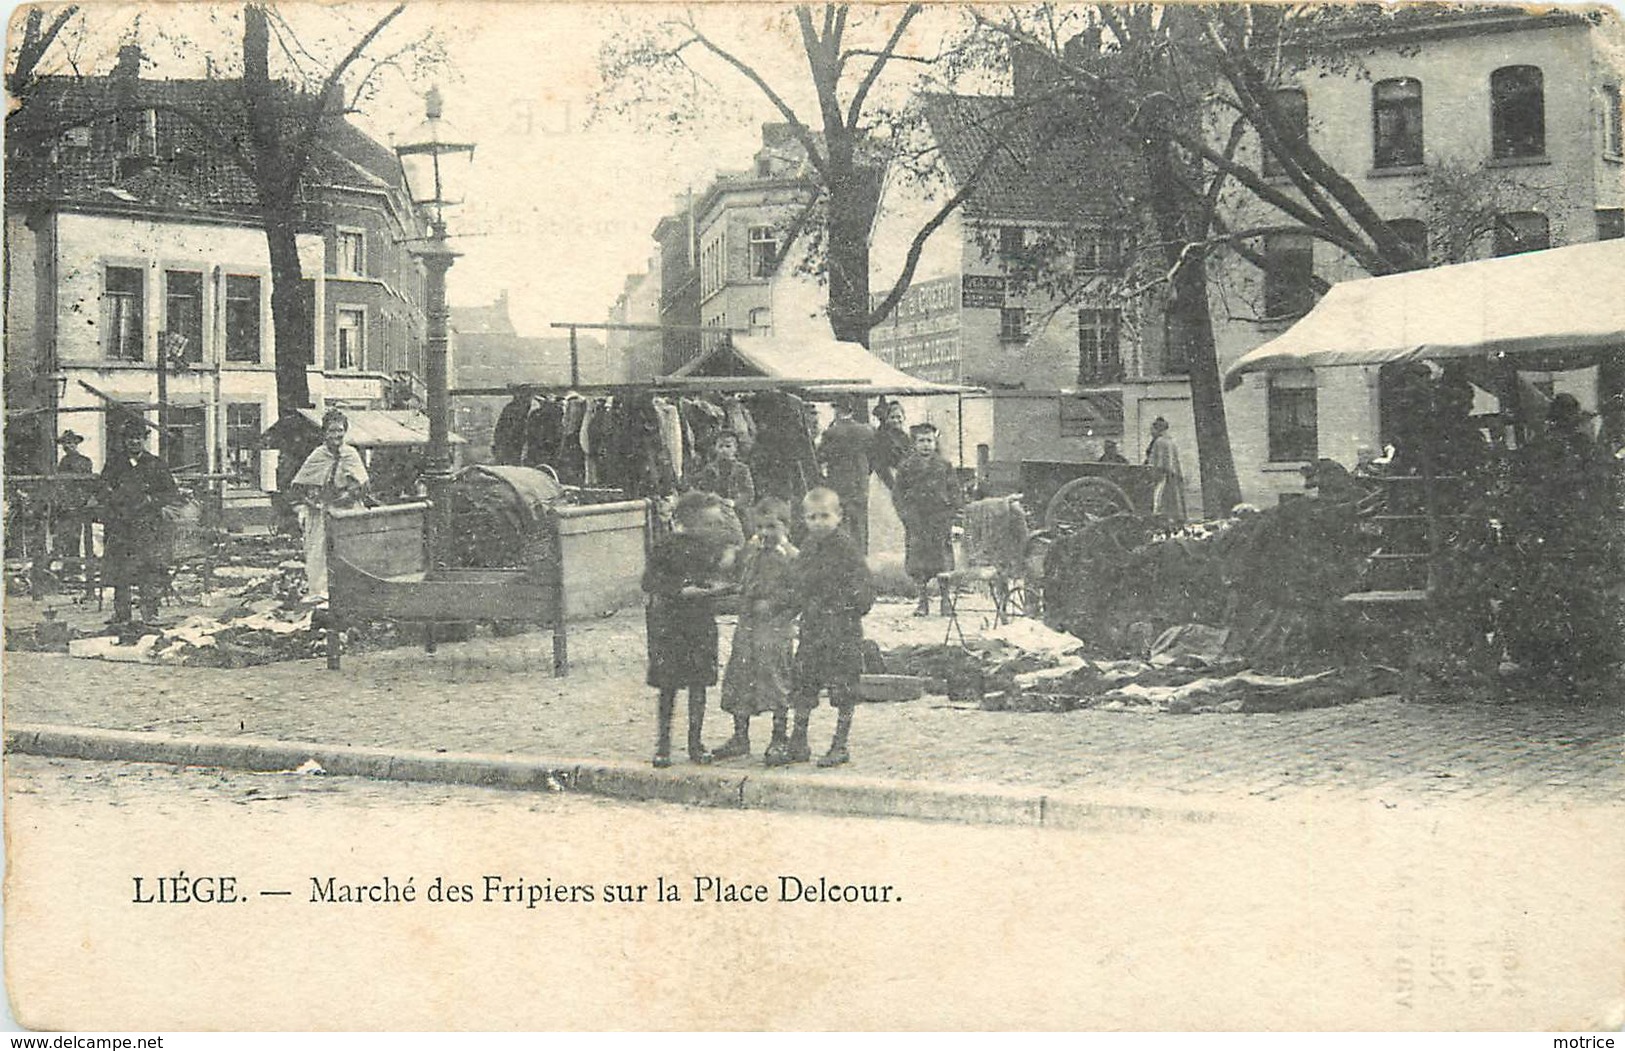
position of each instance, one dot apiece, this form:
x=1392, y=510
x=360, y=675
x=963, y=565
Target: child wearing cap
x=928, y=497
x=683, y=579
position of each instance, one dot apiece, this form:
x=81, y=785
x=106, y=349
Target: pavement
x=488, y=711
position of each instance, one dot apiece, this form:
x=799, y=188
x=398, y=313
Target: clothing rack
x=672, y=385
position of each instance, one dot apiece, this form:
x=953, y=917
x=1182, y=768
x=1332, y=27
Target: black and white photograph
x=744, y=517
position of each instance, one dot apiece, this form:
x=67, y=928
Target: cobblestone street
x=497, y=696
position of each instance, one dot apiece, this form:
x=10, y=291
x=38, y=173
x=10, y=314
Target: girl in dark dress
x=683, y=578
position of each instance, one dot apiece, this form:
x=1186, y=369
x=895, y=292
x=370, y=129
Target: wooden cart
x=1074, y=494
x=378, y=567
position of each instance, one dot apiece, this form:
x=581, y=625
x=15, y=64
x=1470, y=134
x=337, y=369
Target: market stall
x=1515, y=509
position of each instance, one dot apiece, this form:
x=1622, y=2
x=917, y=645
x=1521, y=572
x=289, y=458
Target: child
x=927, y=496
x=830, y=588
x=682, y=580
x=730, y=479
x=758, y=675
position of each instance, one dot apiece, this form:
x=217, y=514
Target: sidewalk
x=496, y=698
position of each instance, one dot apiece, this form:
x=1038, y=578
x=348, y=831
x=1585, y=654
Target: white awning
x=1562, y=308
x=828, y=359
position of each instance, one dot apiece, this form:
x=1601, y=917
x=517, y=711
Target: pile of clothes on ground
x=1025, y=667
x=1274, y=579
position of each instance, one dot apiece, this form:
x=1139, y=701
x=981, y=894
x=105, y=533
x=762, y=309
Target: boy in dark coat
x=683, y=578
x=829, y=586
x=928, y=497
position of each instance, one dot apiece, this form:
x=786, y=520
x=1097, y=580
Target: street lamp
x=435, y=160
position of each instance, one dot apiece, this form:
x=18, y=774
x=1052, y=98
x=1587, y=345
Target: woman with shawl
x=331, y=476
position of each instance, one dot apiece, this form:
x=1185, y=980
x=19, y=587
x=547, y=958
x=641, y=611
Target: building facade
x=130, y=244
x=1483, y=134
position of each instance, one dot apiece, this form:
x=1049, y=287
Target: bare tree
x=289, y=99
x=847, y=143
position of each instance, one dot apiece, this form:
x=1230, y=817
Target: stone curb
x=712, y=787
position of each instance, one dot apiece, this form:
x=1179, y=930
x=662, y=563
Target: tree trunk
x=292, y=326
x=848, y=259
x=1190, y=326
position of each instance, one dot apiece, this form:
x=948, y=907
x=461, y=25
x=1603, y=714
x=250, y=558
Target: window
x=242, y=318
x=712, y=265
x=1613, y=122
x=1012, y=242
x=183, y=311
x=122, y=295
x=1414, y=232
x=1077, y=418
x=1099, y=360
x=1610, y=224
x=352, y=246
x=1292, y=420
x=352, y=337
x=188, y=438
x=764, y=251
x=1517, y=112
x=1396, y=123
x=242, y=443
x=1521, y=232
x=1097, y=252
x=1289, y=260
x=1013, y=324
x=1292, y=107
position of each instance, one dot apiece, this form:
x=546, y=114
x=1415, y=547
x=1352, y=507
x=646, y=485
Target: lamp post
x=435, y=160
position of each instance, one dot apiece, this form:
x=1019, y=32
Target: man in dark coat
x=844, y=451
x=136, y=487
x=71, y=525
x=831, y=589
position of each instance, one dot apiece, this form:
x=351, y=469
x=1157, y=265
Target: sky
x=561, y=207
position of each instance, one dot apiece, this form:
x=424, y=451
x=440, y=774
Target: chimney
x=129, y=63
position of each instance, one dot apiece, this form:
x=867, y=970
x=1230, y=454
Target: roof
x=180, y=170
x=1557, y=309
x=492, y=319
x=801, y=360
x=1045, y=168
x=377, y=428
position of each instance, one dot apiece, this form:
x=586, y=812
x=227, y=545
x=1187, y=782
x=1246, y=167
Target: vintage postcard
x=737, y=516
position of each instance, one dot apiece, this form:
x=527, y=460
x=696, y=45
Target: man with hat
x=136, y=487
x=844, y=452
x=1168, y=499
x=70, y=525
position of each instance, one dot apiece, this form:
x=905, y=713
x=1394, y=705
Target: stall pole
x=575, y=360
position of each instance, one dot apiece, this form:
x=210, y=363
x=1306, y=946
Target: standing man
x=1168, y=500
x=136, y=487
x=844, y=451
x=71, y=525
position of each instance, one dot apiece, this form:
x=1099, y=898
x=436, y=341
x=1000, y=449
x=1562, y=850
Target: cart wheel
x=1084, y=500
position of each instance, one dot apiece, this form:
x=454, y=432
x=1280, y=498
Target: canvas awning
x=1563, y=308
x=828, y=359
x=376, y=428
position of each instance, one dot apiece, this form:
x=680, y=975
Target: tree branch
x=855, y=108
x=917, y=245
x=802, y=133
x=36, y=42
x=323, y=99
